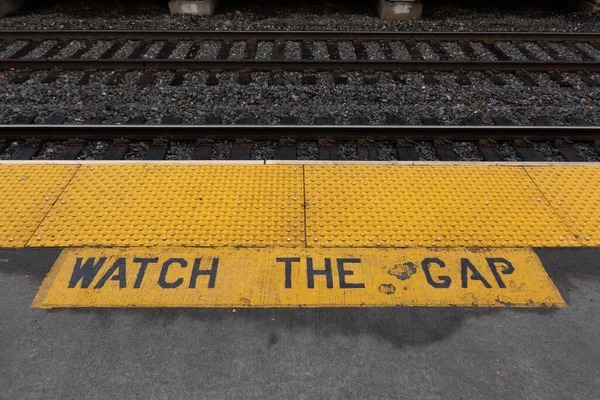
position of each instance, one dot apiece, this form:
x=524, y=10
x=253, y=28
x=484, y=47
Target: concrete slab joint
x=400, y=10
x=193, y=7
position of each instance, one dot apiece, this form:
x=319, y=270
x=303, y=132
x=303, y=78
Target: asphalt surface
x=416, y=353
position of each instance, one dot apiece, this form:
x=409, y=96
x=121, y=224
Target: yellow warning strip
x=27, y=193
x=279, y=277
x=294, y=205
x=178, y=205
x=574, y=193
x=431, y=206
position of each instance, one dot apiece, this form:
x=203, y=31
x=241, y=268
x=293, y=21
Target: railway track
x=269, y=51
x=565, y=141
x=305, y=52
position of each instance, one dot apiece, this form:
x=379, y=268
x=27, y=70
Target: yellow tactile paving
x=27, y=193
x=574, y=192
x=178, y=205
x=272, y=205
x=406, y=206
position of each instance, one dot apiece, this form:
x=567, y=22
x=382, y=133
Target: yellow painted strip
x=429, y=206
x=574, y=192
x=27, y=192
x=279, y=277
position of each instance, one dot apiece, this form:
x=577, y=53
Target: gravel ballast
x=194, y=100
x=438, y=15
x=409, y=97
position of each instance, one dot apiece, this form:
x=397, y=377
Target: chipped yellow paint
x=429, y=206
x=178, y=205
x=574, y=192
x=278, y=277
x=27, y=194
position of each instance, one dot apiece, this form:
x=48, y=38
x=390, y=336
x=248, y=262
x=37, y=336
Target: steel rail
x=296, y=132
x=292, y=35
x=299, y=65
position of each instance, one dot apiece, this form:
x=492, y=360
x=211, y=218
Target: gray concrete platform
x=588, y=5
x=193, y=7
x=417, y=353
x=8, y=7
x=400, y=10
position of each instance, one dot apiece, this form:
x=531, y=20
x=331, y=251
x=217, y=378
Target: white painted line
x=300, y=162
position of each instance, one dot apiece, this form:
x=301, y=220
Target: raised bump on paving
x=28, y=193
x=296, y=277
x=178, y=205
x=574, y=192
x=428, y=206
